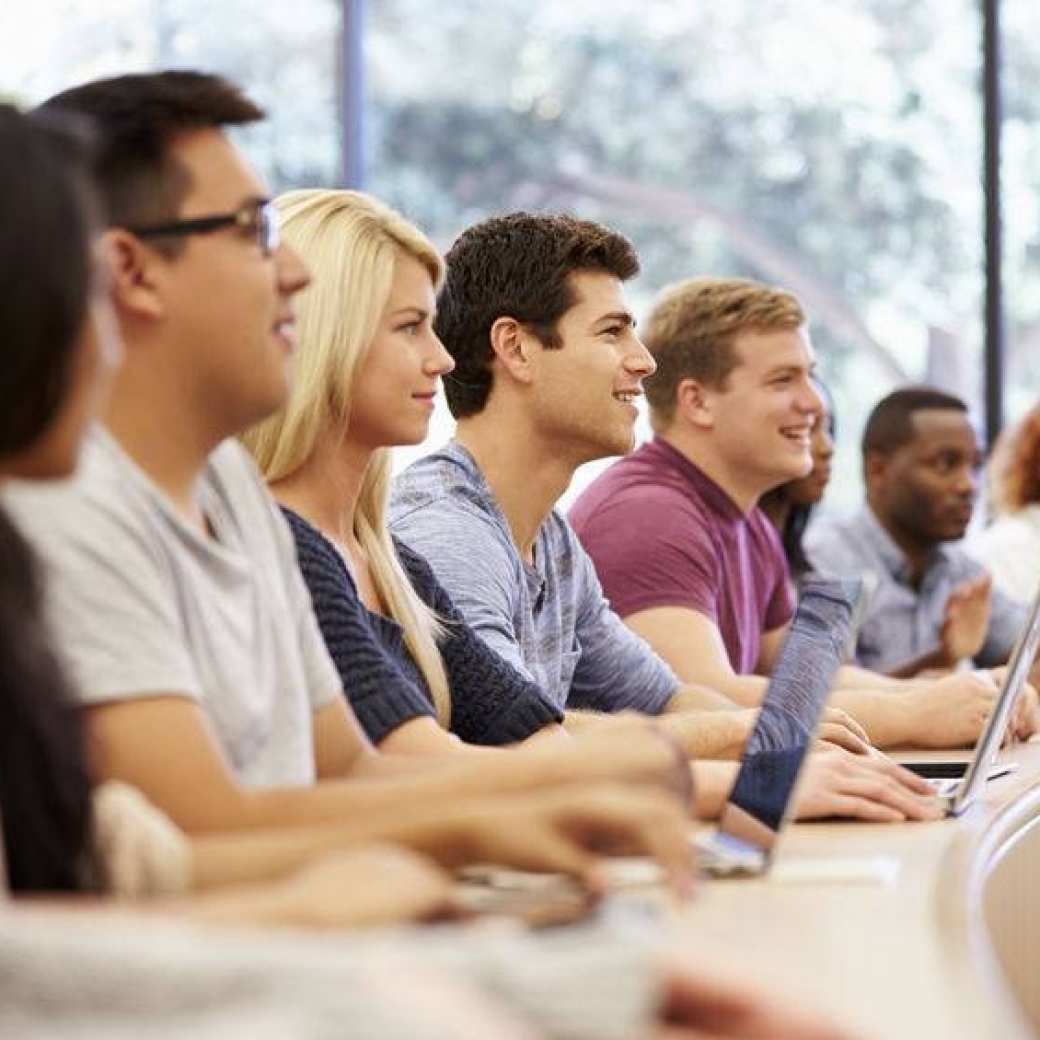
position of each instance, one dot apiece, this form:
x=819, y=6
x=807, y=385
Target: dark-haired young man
x=548, y=367
x=682, y=549
x=921, y=459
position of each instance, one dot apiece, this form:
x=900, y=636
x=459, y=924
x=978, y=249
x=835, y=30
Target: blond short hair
x=351, y=242
x=692, y=329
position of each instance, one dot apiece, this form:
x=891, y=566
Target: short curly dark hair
x=516, y=266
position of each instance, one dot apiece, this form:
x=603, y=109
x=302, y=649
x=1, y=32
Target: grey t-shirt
x=550, y=620
x=141, y=603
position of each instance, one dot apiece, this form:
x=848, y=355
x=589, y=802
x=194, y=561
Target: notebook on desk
x=760, y=801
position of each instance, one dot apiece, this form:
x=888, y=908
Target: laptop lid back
x=798, y=690
x=989, y=742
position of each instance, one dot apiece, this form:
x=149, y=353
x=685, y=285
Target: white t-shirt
x=140, y=603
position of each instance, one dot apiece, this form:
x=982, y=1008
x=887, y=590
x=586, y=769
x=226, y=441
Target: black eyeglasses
x=257, y=216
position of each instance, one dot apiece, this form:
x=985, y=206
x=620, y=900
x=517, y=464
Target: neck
x=325, y=490
x=166, y=438
x=526, y=474
x=744, y=488
x=915, y=551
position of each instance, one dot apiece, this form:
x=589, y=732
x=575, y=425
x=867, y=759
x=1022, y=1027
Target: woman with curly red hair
x=1010, y=546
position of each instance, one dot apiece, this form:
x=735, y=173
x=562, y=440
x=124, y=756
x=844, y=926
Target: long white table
x=949, y=949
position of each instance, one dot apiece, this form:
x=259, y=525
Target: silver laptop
x=760, y=800
x=958, y=783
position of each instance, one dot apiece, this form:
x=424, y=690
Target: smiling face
x=397, y=382
x=227, y=305
x=762, y=417
x=925, y=489
x=585, y=391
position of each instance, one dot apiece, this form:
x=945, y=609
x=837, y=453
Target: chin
x=623, y=444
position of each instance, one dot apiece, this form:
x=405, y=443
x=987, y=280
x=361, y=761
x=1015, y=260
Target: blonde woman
x=367, y=371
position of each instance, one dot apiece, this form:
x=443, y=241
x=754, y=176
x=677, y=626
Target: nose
x=291, y=271
x=824, y=440
x=438, y=362
x=812, y=401
x=639, y=361
x=967, y=481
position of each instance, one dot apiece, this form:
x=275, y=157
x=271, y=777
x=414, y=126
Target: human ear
x=511, y=349
x=134, y=277
x=695, y=404
x=875, y=466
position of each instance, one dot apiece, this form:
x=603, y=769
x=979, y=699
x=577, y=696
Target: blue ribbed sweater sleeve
x=492, y=703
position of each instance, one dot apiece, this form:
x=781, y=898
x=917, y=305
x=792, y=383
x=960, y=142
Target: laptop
x=760, y=801
x=958, y=783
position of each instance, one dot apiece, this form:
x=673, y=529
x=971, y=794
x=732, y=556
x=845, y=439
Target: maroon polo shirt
x=663, y=534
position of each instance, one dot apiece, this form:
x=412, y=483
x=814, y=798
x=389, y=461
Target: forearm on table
x=253, y=857
x=888, y=716
x=852, y=677
x=696, y=697
x=712, y=783
x=708, y=734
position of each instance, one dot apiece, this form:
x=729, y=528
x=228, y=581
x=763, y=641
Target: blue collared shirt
x=902, y=622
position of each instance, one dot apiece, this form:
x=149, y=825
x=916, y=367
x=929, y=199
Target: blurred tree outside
x=833, y=148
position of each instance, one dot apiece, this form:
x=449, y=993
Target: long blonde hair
x=351, y=242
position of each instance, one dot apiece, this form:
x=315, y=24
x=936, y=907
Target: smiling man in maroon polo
x=682, y=549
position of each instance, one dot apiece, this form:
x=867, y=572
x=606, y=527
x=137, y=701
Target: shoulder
x=419, y=572
x=108, y=501
x=639, y=502
x=313, y=549
x=764, y=533
x=232, y=469
x=444, y=482
x=831, y=538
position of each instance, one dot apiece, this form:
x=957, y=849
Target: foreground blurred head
x=59, y=348
x=59, y=340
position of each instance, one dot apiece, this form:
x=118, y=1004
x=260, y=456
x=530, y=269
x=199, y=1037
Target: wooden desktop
x=947, y=948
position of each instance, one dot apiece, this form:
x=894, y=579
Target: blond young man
x=679, y=542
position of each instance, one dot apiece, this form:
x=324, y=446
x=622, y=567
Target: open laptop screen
x=1018, y=667
x=798, y=690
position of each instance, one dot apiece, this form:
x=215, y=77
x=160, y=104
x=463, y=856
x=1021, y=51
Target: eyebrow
x=422, y=312
x=615, y=317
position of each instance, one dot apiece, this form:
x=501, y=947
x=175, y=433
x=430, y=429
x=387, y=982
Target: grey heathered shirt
x=550, y=620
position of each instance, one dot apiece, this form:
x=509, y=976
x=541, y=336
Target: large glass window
x=832, y=148
x=284, y=55
x=1021, y=183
